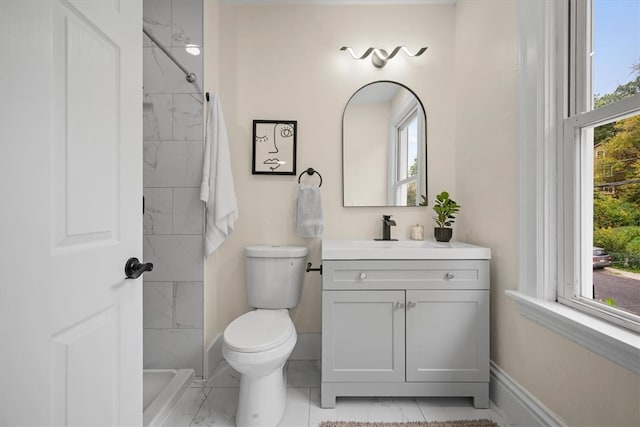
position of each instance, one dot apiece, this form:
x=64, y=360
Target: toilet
x=258, y=343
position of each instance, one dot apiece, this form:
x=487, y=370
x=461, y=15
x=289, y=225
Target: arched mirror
x=384, y=147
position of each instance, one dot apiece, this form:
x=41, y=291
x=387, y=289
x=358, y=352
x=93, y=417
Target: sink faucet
x=387, y=223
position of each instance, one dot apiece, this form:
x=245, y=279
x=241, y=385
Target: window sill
x=612, y=342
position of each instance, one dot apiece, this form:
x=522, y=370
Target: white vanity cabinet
x=405, y=327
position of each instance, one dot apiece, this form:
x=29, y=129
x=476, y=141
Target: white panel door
x=71, y=212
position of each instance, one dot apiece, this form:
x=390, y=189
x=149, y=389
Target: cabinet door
x=448, y=335
x=363, y=336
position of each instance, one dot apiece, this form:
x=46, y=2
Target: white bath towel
x=309, y=220
x=216, y=189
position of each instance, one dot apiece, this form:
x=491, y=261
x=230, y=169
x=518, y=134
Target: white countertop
x=334, y=249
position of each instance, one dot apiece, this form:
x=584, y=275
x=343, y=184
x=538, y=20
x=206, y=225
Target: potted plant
x=444, y=207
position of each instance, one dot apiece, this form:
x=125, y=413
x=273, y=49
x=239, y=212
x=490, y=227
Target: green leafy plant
x=424, y=201
x=445, y=208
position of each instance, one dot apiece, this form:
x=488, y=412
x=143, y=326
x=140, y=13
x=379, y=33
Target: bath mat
x=457, y=423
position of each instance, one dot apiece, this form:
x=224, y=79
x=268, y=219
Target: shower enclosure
x=173, y=213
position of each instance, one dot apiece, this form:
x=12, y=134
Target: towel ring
x=311, y=171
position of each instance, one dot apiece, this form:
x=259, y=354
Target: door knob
x=133, y=268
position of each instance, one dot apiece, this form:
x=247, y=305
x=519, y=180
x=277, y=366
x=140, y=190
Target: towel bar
x=311, y=171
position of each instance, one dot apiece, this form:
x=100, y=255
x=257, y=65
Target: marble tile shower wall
x=173, y=219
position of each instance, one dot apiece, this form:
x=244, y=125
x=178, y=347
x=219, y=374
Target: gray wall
x=173, y=219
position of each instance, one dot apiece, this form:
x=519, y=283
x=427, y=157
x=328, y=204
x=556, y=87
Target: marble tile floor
x=213, y=403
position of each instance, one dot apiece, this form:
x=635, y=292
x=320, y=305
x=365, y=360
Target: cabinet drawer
x=405, y=274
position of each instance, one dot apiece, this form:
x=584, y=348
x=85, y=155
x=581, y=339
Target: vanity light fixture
x=380, y=57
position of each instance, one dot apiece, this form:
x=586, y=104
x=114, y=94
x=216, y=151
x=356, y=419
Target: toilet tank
x=275, y=275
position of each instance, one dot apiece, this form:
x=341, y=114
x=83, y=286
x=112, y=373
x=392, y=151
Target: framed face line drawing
x=274, y=147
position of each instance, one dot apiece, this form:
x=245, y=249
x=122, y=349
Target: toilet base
x=262, y=399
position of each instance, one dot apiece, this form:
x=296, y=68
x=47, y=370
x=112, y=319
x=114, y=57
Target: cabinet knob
x=449, y=275
x=363, y=276
x=411, y=304
x=399, y=304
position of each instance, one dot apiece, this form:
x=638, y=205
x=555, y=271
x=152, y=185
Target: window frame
x=545, y=236
x=398, y=122
x=577, y=213
x=575, y=185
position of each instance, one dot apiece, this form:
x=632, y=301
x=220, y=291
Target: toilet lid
x=258, y=330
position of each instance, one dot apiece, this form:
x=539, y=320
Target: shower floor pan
x=162, y=388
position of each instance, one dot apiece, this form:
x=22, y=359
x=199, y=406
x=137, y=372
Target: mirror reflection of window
x=403, y=189
x=406, y=154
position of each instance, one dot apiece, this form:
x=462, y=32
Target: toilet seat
x=258, y=330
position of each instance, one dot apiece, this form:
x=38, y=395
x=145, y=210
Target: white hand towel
x=216, y=189
x=309, y=219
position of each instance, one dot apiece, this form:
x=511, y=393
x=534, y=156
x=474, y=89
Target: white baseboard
x=518, y=406
x=212, y=356
x=308, y=347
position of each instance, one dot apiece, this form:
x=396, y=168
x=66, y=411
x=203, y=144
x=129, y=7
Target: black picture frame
x=274, y=147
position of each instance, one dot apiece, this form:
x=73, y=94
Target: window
x=406, y=181
x=567, y=170
x=599, y=153
x=405, y=161
x=603, y=116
